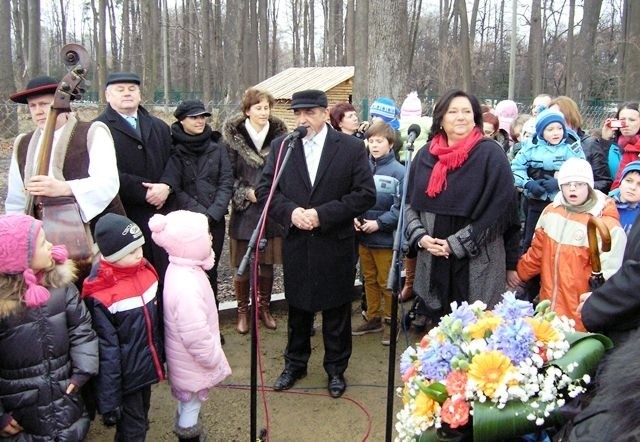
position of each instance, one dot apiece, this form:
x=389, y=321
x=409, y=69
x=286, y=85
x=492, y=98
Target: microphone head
x=301, y=130
x=414, y=128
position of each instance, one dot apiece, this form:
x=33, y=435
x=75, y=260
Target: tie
x=312, y=155
x=133, y=121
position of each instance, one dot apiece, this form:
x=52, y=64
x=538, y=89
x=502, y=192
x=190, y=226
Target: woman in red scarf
x=461, y=212
x=622, y=144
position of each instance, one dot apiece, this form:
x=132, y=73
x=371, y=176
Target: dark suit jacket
x=318, y=264
x=142, y=158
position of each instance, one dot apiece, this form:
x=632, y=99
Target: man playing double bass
x=83, y=161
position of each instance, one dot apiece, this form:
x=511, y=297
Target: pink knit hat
x=18, y=235
x=507, y=112
x=411, y=106
x=185, y=237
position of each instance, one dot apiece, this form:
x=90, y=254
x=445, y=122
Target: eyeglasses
x=489, y=132
x=576, y=184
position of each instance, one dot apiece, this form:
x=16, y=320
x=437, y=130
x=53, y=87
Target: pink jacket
x=195, y=359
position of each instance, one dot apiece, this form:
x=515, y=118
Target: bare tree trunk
x=413, y=31
x=361, y=56
x=233, y=32
x=472, y=24
x=19, y=38
x=8, y=114
x=217, y=55
x=535, y=49
x=35, y=35
x=136, y=39
x=101, y=64
x=580, y=87
x=116, y=61
x=295, y=28
x=63, y=23
x=349, y=33
x=125, y=37
x=570, y=44
x=465, y=48
x=443, y=63
x=631, y=74
x=263, y=36
x=338, y=35
x=312, y=38
x=387, y=63
x=205, y=60
x=251, y=55
x=305, y=33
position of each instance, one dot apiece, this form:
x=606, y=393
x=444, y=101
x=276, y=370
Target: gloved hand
x=111, y=418
x=550, y=184
x=535, y=188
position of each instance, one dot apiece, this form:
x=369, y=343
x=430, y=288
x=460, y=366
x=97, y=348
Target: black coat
x=593, y=154
x=614, y=308
x=142, y=158
x=206, y=179
x=43, y=349
x=247, y=164
x=318, y=264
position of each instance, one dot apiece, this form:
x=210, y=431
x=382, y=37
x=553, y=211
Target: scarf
x=195, y=144
x=629, y=144
x=257, y=137
x=449, y=158
x=630, y=147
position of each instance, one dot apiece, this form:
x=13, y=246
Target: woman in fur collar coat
x=249, y=135
x=49, y=349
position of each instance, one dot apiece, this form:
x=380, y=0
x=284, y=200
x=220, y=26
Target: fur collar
x=239, y=140
x=11, y=300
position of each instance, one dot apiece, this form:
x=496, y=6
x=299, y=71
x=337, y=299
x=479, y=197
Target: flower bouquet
x=497, y=373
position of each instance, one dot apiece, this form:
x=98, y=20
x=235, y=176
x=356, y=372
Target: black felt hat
x=308, y=98
x=117, y=236
x=40, y=85
x=190, y=108
x=123, y=77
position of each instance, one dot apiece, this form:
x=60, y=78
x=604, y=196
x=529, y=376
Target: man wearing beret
x=324, y=186
x=143, y=145
x=83, y=160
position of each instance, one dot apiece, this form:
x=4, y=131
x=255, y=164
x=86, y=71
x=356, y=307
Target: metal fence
x=15, y=118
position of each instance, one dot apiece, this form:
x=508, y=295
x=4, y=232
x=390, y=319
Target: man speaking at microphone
x=324, y=186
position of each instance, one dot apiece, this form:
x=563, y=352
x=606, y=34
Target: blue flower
x=514, y=340
x=406, y=360
x=511, y=308
x=464, y=314
x=436, y=360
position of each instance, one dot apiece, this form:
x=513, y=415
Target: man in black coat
x=325, y=185
x=143, y=146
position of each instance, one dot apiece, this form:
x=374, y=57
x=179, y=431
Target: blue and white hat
x=386, y=109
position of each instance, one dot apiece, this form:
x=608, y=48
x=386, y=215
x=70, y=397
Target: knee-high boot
x=242, y=287
x=409, y=276
x=266, y=286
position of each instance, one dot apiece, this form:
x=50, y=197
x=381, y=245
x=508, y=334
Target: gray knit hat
x=117, y=236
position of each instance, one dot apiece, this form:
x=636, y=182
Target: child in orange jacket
x=559, y=251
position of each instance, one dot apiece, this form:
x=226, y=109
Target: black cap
x=308, y=98
x=117, y=236
x=123, y=77
x=190, y=108
x=40, y=85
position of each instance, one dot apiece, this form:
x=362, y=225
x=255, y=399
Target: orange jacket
x=559, y=253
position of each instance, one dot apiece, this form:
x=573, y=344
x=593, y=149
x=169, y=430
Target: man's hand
x=11, y=429
x=44, y=185
x=305, y=219
x=157, y=193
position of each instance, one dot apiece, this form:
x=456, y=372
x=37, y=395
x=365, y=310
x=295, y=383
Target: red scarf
x=449, y=158
x=630, y=147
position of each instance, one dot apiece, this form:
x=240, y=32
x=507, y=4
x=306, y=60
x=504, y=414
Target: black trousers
x=134, y=418
x=336, y=334
x=217, y=229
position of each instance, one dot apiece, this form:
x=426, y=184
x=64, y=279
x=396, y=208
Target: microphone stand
x=394, y=283
x=254, y=326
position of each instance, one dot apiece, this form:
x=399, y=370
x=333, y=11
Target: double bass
x=61, y=215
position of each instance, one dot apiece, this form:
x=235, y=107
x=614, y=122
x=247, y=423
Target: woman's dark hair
x=336, y=114
x=442, y=105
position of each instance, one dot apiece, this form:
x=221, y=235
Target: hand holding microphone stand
x=299, y=132
x=394, y=281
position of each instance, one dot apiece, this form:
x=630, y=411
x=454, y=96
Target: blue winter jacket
x=388, y=175
x=537, y=159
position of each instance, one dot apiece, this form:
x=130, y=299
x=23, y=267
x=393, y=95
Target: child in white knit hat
x=560, y=252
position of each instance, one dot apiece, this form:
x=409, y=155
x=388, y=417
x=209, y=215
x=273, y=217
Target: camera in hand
x=614, y=123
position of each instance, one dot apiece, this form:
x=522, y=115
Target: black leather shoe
x=287, y=378
x=337, y=385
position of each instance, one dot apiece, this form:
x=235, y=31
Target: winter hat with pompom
x=18, y=235
x=185, y=237
x=386, y=109
x=411, y=106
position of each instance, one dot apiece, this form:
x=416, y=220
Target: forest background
x=214, y=49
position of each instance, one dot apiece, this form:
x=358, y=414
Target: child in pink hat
x=195, y=359
x=47, y=341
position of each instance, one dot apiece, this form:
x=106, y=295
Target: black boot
x=189, y=434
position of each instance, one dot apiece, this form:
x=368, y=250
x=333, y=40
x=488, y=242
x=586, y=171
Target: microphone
x=412, y=133
x=298, y=132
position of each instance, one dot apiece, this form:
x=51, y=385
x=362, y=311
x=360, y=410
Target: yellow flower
x=489, y=371
x=425, y=406
x=543, y=330
x=483, y=325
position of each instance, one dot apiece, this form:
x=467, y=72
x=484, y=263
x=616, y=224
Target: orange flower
x=456, y=382
x=410, y=372
x=489, y=371
x=425, y=406
x=543, y=330
x=455, y=412
x=487, y=323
